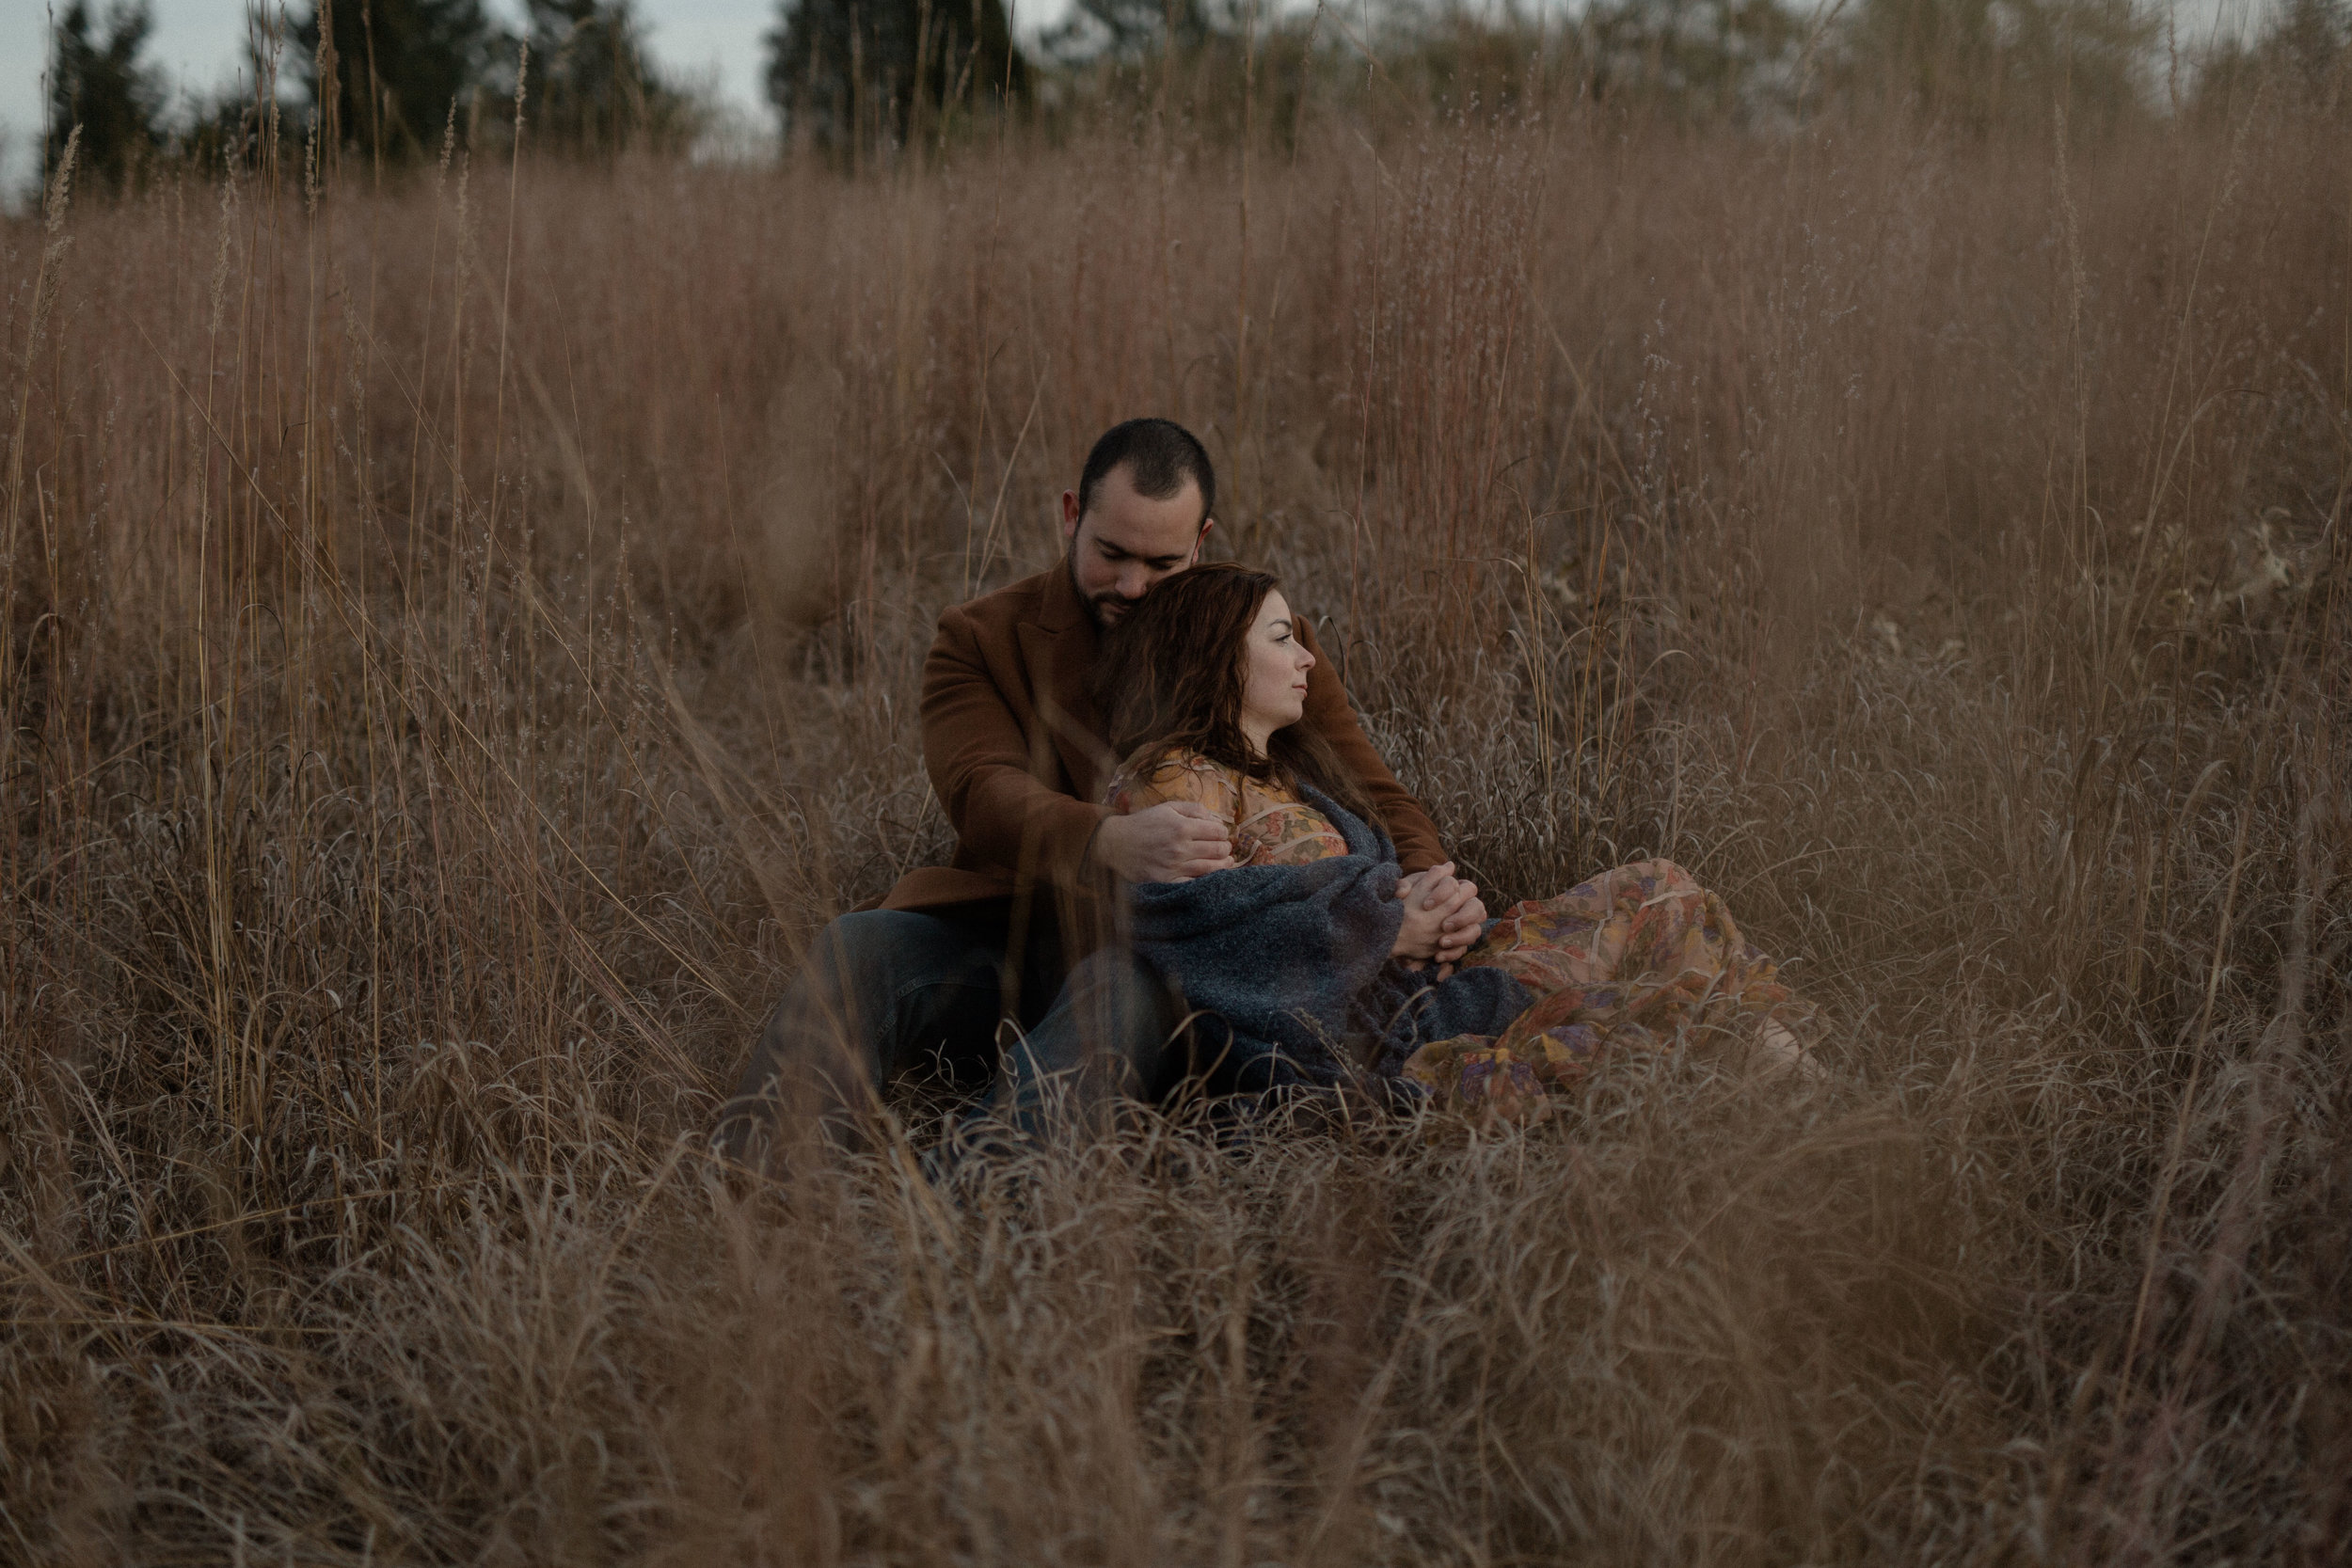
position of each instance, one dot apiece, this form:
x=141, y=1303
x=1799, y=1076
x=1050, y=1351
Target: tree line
x=396, y=80
x=392, y=80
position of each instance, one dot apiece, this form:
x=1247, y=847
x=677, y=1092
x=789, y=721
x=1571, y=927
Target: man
x=1018, y=927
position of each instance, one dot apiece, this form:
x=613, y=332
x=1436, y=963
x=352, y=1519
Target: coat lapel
x=1059, y=649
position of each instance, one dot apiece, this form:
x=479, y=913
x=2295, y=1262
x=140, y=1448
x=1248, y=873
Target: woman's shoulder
x=1146, y=779
x=1183, y=762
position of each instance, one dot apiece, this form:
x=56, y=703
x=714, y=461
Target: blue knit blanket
x=1293, y=962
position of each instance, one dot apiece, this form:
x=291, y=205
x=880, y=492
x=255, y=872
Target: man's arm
x=983, y=770
x=990, y=779
x=1328, y=711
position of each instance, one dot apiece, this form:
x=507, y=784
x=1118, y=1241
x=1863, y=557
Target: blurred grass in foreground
x=461, y=641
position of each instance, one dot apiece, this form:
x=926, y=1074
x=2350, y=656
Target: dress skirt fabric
x=1637, y=959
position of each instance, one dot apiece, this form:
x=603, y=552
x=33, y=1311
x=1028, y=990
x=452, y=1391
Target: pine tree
x=2309, y=39
x=1698, y=58
x=2301, y=60
x=847, y=71
x=98, y=82
x=1977, y=63
x=592, y=88
x=1131, y=30
x=397, y=68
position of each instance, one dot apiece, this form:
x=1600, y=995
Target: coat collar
x=1058, y=606
x=1061, y=645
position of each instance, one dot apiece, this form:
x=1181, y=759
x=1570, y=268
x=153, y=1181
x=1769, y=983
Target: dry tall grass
x=461, y=641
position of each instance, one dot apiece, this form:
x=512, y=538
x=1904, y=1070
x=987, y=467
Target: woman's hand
x=1462, y=928
x=1435, y=900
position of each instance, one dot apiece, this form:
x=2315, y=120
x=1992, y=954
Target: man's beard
x=1105, y=609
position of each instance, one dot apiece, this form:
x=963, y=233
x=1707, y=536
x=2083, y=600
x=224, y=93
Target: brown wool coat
x=1009, y=739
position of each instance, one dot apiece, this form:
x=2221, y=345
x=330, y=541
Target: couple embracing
x=1181, y=866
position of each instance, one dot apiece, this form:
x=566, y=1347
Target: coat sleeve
x=1003, y=814
x=1327, y=711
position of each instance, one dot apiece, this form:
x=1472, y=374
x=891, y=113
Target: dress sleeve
x=1181, y=776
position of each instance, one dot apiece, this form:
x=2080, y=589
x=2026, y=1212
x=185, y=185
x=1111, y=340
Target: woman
x=1318, y=972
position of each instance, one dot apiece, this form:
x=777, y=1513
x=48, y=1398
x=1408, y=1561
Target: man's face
x=1125, y=541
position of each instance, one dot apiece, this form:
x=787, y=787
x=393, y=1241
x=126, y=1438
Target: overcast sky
x=200, y=44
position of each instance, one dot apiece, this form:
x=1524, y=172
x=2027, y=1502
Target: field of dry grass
x=462, y=641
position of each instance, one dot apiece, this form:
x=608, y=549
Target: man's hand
x=1464, y=917
x=1173, y=842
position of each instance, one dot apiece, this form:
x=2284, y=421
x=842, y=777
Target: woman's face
x=1273, y=672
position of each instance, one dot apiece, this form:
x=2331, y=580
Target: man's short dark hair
x=1160, y=455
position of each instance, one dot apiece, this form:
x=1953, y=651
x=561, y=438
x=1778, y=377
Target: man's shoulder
x=1000, y=609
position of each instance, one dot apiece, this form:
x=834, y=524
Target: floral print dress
x=1270, y=823
x=1631, y=961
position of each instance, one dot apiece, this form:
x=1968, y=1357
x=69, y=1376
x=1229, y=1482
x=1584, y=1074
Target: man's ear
x=1068, y=514
x=1199, y=539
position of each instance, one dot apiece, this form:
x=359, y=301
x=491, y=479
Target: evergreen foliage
x=97, y=82
x=398, y=68
x=395, y=68
x=1705, y=59
x=1976, y=64
x=592, y=88
x=851, y=71
x=1127, y=31
x=2302, y=56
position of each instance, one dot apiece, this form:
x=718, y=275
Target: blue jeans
x=888, y=994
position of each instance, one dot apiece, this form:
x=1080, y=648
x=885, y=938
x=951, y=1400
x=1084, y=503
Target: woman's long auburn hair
x=1170, y=679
